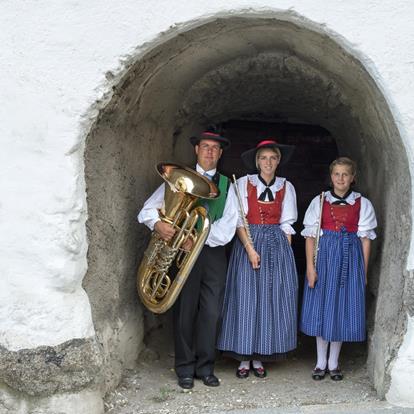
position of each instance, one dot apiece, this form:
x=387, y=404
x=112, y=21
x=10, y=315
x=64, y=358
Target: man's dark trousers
x=197, y=313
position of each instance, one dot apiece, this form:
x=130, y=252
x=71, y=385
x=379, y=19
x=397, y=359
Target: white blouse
x=367, y=220
x=289, y=213
x=221, y=231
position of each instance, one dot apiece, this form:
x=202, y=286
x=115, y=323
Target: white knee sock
x=257, y=364
x=334, y=350
x=244, y=364
x=322, y=352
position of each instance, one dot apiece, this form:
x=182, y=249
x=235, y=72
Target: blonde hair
x=275, y=149
x=344, y=161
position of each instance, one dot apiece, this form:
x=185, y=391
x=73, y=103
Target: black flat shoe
x=186, y=382
x=242, y=372
x=259, y=372
x=336, y=374
x=318, y=374
x=209, y=380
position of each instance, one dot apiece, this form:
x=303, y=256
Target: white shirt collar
x=212, y=172
x=276, y=186
x=350, y=199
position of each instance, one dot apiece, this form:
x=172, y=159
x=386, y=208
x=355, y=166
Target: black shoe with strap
x=242, y=373
x=259, y=372
x=336, y=374
x=318, y=374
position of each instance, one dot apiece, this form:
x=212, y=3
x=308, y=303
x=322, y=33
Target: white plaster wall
x=53, y=60
x=401, y=390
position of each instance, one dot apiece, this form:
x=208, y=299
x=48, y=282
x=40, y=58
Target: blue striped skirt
x=260, y=306
x=335, y=308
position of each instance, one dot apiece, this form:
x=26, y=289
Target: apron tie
x=345, y=256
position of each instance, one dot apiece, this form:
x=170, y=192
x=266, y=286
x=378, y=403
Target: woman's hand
x=312, y=276
x=366, y=250
x=253, y=256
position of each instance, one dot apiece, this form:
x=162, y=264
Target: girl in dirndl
x=334, y=296
x=260, y=303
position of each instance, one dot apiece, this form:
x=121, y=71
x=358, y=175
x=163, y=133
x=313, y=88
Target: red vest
x=334, y=216
x=264, y=212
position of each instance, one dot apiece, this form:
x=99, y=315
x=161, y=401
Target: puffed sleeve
x=242, y=186
x=367, y=220
x=310, y=221
x=289, y=209
x=149, y=213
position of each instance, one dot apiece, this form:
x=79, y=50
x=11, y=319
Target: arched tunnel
x=254, y=76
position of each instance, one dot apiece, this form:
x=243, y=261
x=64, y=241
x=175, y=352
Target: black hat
x=224, y=142
x=249, y=157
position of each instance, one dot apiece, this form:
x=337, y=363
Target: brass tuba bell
x=183, y=187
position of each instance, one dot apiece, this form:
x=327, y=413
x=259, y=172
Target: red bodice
x=334, y=216
x=264, y=212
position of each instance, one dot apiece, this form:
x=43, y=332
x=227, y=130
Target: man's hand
x=165, y=230
x=188, y=244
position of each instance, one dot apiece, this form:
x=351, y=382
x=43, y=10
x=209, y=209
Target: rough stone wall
x=120, y=156
x=303, y=76
x=71, y=372
x=58, y=60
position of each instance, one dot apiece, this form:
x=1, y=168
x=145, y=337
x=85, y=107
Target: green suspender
x=215, y=207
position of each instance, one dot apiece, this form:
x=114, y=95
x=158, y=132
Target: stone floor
x=152, y=388
x=359, y=408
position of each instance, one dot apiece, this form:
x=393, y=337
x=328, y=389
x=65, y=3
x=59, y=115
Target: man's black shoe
x=209, y=380
x=186, y=382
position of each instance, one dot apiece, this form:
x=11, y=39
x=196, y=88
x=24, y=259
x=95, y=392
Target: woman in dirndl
x=334, y=296
x=260, y=303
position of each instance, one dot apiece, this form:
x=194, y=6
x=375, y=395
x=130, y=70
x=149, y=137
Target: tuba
x=157, y=289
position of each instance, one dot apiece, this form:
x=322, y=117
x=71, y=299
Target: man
x=198, y=307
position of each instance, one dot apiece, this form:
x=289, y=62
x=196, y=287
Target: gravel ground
x=152, y=386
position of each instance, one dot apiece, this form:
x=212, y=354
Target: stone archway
x=240, y=67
